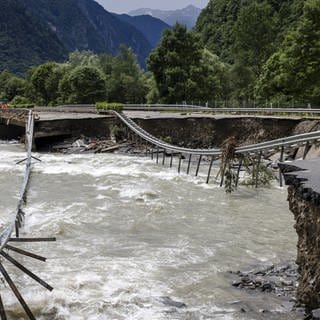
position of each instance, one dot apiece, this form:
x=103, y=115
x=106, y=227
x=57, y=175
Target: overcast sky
x=124, y=6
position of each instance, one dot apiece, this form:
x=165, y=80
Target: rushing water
x=130, y=232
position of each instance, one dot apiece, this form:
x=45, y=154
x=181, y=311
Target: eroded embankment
x=303, y=178
x=211, y=132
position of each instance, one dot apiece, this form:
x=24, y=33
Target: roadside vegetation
x=244, y=52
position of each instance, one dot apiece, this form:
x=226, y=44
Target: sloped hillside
x=85, y=25
x=24, y=40
x=151, y=27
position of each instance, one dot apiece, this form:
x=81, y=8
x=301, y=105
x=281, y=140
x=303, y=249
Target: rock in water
x=171, y=303
x=316, y=314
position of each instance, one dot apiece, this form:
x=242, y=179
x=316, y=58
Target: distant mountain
x=25, y=40
x=86, y=25
x=187, y=16
x=35, y=31
x=151, y=27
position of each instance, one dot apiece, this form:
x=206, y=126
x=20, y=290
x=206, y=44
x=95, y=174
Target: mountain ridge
x=187, y=16
x=37, y=31
x=151, y=27
x=86, y=25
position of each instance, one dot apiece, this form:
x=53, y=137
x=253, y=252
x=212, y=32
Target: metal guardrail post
x=179, y=165
x=258, y=169
x=281, y=160
x=189, y=163
x=209, y=171
x=14, y=225
x=238, y=171
x=198, y=166
x=217, y=152
x=171, y=159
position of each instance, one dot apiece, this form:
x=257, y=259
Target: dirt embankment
x=211, y=132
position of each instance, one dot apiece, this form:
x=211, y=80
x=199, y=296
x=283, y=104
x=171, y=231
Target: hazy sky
x=124, y=6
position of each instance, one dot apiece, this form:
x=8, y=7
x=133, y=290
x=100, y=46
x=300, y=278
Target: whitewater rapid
x=130, y=233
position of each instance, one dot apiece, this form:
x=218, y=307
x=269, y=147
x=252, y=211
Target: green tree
x=152, y=95
x=5, y=76
x=20, y=100
x=45, y=82
x=214, y=78
x=83, y=58
x=216, y=26
x=242, y=82
x=176, y=65
x=83, y=85
x=13, y=87
x=294, y=70
x=125, y=82
x=253, y=35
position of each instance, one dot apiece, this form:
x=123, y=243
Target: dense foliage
x=294, y=70
x=184, y=70
x=244, y=51
x=272, y=46
x=85, y=78
x=109, y=106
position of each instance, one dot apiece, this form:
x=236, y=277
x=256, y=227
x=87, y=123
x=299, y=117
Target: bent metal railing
x=306, y=139
x=10, y=232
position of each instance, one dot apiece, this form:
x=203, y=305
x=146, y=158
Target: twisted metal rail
x=14, y=225
x=306, y=139
x=254, y=148
x=257, y=110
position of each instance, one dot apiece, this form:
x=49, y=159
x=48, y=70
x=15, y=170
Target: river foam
x=131, y=233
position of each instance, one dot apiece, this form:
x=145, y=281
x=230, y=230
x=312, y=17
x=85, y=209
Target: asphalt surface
x=306, y=172
x=51, y=115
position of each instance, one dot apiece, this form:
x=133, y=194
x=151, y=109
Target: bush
x=20, y=100
x=21, y=105
x=109, y=106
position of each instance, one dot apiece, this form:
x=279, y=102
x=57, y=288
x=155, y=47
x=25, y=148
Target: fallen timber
x=10, y=232
x=306, y=139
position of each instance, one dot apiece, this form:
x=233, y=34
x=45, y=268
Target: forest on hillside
x=248, y=52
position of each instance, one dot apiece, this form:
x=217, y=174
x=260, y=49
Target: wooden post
x=164, y=156
x=25, y=253
x=157, y=155
x=151, y=153
x=189, y=162
x=16, y=292
x=171, y=159
x=26, y=271
x=179, y=166
x=306, y=149
x=17, y=228
x=2, y=311
x=32, y=239
x=222, y=175
x=258, y=168
x=239, y=169
x=198, y=167
x=209, y=171
x=281, y=160
x=146, y=146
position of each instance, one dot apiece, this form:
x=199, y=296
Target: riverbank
x=302, y=177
